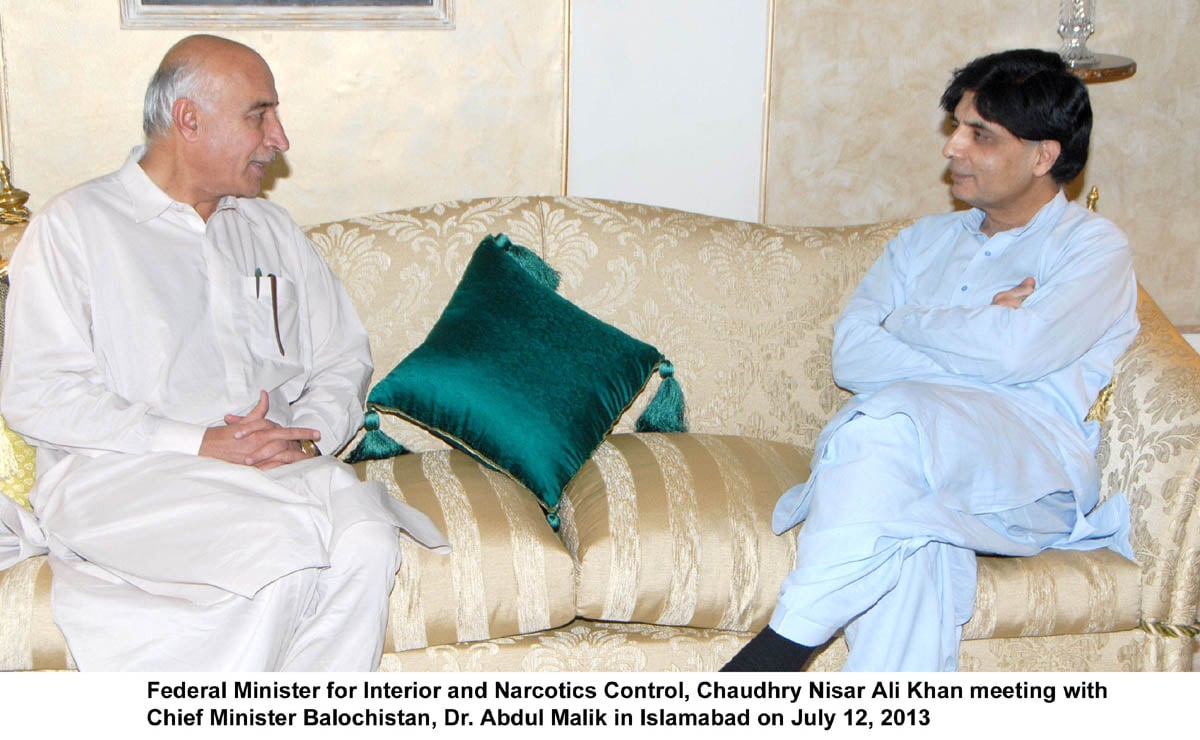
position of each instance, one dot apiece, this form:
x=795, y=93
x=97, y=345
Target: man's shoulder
x=1076, y=215
x=71, y=216
x=103, y=190
x=940, y=221
x=1080, y=231
x=934, y=226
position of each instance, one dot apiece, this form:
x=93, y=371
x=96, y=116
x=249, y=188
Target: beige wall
x=388, y=119
x=377, y=119
x=855, y=131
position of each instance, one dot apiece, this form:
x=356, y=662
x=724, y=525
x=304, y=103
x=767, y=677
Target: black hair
x=1033, y=94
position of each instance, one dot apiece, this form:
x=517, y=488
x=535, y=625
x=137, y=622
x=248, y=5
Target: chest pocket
x=274, y=317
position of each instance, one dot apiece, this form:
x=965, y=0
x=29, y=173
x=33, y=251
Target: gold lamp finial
x=1092, y=197
x=12, y=200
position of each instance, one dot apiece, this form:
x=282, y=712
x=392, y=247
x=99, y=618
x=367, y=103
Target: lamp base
x=12, y=200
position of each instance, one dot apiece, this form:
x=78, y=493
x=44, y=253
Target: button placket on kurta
x=224, y=290
x=987, y=257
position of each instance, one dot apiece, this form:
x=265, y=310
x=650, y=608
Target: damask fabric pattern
x=17, y=459
x=1150, y=449
x=3, y=302
x=17, y=465
x=743, y=311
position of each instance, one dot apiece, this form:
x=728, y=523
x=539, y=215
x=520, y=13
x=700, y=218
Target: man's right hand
x=1016, y=296
x=255, y=440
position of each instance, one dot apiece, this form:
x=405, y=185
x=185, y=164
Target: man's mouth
x=261, y=163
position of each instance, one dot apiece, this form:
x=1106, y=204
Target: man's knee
x=871, y=472
x=367, y=546
x=868, y=435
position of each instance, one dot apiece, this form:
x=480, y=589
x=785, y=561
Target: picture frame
x=288, y=14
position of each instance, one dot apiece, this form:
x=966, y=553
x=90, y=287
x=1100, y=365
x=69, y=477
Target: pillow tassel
x=665, y=412
x=537, y=268
x=375, y=444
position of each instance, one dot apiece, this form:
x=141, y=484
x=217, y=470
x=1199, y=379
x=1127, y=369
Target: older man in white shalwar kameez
x=180, y=355
x=975, y=346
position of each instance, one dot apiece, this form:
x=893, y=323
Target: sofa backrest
x=743, y=311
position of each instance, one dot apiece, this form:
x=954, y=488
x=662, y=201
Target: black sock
x=769, y=651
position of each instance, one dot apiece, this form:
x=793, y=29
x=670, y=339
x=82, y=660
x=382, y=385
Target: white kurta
x=966, y=433
x=133, y=326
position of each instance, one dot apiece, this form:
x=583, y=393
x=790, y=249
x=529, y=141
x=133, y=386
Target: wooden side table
x=1109, y=68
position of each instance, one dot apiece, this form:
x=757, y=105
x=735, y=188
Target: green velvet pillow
x=519, y=377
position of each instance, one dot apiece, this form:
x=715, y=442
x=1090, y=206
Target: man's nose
x=953, y=144
x=276, y=137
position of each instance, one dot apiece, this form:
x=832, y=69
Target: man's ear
x=185, y=116
x=1047, y=155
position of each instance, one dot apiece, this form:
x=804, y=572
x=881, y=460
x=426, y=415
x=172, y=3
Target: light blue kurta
x=966, y=433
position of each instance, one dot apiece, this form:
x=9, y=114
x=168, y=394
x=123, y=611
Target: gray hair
x=172, y=81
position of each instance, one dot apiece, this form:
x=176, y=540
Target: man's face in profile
x=240, y=131
x=990, y=168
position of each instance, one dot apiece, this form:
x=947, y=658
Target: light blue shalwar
x=966, y=433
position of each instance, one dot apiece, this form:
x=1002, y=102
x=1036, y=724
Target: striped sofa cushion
x=675, y=529
x=507, y=574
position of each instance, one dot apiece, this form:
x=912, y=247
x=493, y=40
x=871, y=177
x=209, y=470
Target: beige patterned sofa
x=665, y=559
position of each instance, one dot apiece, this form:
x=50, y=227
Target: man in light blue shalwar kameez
x=975, y=346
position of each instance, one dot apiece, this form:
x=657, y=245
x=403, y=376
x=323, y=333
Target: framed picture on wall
x=348, y=14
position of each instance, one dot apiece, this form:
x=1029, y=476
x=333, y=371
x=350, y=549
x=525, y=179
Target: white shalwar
x=966, y=433
x=133, y=326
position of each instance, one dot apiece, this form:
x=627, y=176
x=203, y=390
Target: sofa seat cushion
x=675, y=529
x=507, y=572
x=1059, y=592
x=583, y=645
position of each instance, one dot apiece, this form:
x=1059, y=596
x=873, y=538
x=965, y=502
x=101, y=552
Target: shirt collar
x=149, y=200
x=973, y=219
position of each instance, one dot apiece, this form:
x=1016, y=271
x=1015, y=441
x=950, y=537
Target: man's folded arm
x=866, y=356
x=1071, y=308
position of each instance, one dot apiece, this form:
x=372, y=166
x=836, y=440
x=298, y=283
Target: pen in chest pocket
x=258, y=276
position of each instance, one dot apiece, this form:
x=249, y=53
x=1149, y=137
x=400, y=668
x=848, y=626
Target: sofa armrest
x=1150, y=450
